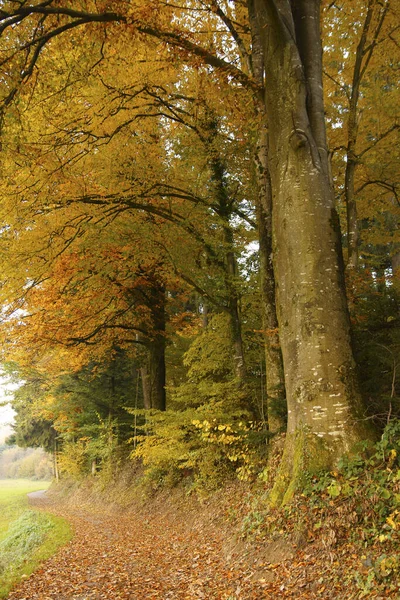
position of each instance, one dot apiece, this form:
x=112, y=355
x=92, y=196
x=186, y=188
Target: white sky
x=6, y=412
x=6, y=415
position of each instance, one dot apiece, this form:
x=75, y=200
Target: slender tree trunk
x=225, y=211
x=55, y=462
x=353, y=237
x=204, y=315
x=365, y=49
x=351, y=156
x=324, y=404
x=153, y=371
x=275, y=384
x=235, y=319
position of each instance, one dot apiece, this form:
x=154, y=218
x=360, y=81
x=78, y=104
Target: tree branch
x=394, y=127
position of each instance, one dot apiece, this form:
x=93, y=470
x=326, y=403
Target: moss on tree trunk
x=325, y=415
x=304, y=453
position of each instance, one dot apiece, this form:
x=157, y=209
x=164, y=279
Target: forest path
x=114, y=556
x=173, y=550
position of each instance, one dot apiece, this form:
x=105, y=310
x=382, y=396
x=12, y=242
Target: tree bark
x=324, y=404
x=275, y=384
x=153, y=374
x=153, y=371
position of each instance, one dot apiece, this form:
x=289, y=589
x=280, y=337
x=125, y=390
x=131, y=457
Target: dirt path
x=37, y=494
x=129, y=557
x=162, y=555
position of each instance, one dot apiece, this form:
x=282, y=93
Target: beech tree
x=109, y=112
x=321, y=381
x=273, y=49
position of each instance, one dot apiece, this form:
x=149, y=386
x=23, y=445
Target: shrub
x=206, y=444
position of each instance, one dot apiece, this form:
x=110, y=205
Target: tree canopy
x=200, y=229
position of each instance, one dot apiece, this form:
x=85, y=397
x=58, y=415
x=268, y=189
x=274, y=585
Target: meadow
x=27, y=537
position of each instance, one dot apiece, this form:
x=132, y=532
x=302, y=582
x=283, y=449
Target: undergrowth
x=203, y=448
x=351, y=514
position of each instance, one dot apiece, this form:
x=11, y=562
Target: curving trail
x=129, y=557
x=163, y=555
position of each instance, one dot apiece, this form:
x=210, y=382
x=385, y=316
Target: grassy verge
x=27, y=537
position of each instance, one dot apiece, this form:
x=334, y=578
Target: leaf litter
x=171, y=556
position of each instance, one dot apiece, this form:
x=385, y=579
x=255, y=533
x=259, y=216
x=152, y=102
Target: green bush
x=207, y=445
x=209, y=434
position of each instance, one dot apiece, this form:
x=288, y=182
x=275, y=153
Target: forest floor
x=177, y=549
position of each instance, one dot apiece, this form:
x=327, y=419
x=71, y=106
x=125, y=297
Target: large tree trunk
x=324, y=405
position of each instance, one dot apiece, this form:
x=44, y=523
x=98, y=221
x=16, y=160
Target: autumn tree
x=324, y=407
x=362, y=111
x=321, y=382
x=166, y=194
x=362, y=119
x=233, y=24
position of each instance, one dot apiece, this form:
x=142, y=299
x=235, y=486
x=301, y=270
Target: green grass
x=27, y=537
x=13, y=500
